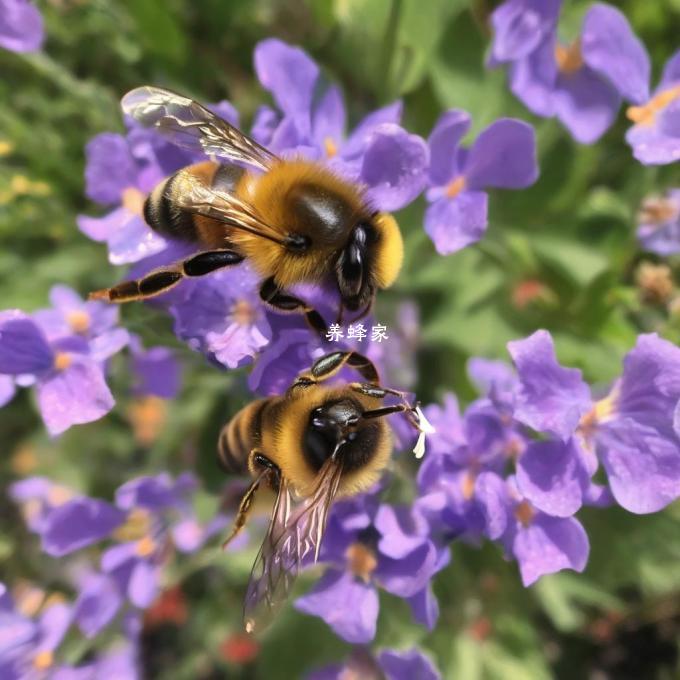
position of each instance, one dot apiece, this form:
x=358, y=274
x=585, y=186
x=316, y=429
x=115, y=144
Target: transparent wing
x=193, y=195
x=294, y=534
x=190, y=125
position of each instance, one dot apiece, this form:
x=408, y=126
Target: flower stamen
x=569, y=58
x=62, y=361
x=243, y=313
x=455, y=186
x=79, y=321
x=43, y=660
x=330, y=147
x=145, y=546
x=646, y=114
x=361, y=561
x=133, y=200
x=524, y=513
x=136, y=526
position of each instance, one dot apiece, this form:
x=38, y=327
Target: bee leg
x=244, y=508
x=279, y=299
x=327, y=366
x=378, y=392
x=163, y=279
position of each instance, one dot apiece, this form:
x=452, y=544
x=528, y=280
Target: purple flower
x=67, y=371
x=502, y=156
x=542, y=544
x=21, y=26
x=157, y=371
x=632, y=431
x=389, y=665
x=368, y=547
x=37, y=497
x=150, y=514
x=583, y=83
x=121, y=171
x=659, y=224
x=28, y=645
x=70, y=315
x=387, y=160
x=655, y=135
x=223, y=317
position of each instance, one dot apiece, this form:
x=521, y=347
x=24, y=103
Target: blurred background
x=560, y=255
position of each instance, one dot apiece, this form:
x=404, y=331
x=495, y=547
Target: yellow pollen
x=468, y=485
x=599, y=413
x=145, y=546
x=657, y=210
x=78, y=320
x=569, y=59
x=646, y=114
x=133, y=200
x=43, y=660
x=361, y=561
x=243, y=313
x=29, y=599
x=136, y=526
x=524, y=513
x=58, y=495
x=455, y=186
x=24, y=460
x=330, y=147
x=147, y=416
x=62, y=361
x=6, y=147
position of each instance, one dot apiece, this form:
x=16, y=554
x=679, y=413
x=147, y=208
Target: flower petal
x=519, y=26
x=503, y=156
x=651, y=146
x=143, y=585
x=290, y=75
x=23, y=346
x=408, y=575
x=456, y=223
x=552, y=476
x=97, y=604
x=642, y=464
x=532, y=79
x=7, y=390
x=671, y=72
x=586, y=104
x=394, y=167
x=79, y=523
x=109, y=168
x=329, y=117
x=78, y=394
x=21, y=26
x=550, y=544
x=151, y=492
x=551, y=398
x=357, y=141
x=407, y=666
x=348, y=606
x=425, y=607
x=610, y=47
x=157, y=372
x=444, y=141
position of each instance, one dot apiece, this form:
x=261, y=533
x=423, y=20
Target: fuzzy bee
x=315, y=443
x=294, y=221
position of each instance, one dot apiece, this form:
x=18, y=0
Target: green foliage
x=572, y=233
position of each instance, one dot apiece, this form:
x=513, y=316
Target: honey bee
x=313, y=444
x=294, y=221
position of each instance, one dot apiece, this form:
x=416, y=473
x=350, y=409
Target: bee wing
x=195, y=196
x=190, y=125
x=294, y=534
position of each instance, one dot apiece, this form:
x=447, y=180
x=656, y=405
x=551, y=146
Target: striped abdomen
x=160, y=208
x=240, y=436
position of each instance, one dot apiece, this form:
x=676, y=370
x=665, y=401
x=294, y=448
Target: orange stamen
x=455, y=186
x=330, y=147
x=524, y=513
x=133, y=200
x=79, y=321
x=62, y=361
x=569, y=59
x=361, y=561
x=646, y=114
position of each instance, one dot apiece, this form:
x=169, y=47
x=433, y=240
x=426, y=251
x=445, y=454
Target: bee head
x=371, y=259
x=336, y=428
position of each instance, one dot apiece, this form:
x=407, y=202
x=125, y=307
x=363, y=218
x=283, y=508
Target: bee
x=313, y=444
x=294, y=221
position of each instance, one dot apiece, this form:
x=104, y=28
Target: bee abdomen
x=238, y=437
x=162, y=214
